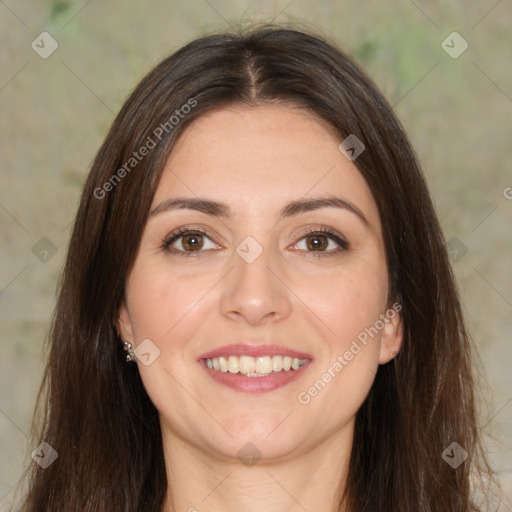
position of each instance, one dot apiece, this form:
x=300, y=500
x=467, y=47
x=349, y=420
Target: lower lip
x=240, y=382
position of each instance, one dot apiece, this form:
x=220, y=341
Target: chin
x=264, y=439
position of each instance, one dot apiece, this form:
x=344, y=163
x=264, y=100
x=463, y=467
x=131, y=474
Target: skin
x=256, y=160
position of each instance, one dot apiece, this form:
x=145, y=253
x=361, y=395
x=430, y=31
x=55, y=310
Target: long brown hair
x=92, y=407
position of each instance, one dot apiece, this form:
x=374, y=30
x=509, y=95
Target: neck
x=309, y=480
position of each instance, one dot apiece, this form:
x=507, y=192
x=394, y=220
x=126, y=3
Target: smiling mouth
x=248, y=366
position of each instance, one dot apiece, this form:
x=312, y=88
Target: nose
x=256, y=292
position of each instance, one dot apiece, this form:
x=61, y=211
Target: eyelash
x=344, y=245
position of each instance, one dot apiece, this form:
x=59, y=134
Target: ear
x=124, y=323
x=391, y=339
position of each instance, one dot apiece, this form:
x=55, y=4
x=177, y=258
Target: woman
x=257, y=310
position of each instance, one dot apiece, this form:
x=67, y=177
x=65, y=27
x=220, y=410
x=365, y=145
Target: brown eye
x=186, y=242
x=317, y=242
x=192, y=242
x=323, y=243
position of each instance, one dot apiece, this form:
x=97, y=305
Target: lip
x=241, y=349
x=240, y=382
x=245, y=384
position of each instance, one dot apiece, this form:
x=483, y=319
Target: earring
x=130, y=356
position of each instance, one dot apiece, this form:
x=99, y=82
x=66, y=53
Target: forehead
x=258, y=158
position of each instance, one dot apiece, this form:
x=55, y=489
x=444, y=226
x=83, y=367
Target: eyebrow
x=291, y=209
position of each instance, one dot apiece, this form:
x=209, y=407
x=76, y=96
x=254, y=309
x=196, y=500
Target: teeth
x=255, y=366
x=247, y=364
x=277, y=363
x=233, y=365
x=295, y=364
x=264, y=364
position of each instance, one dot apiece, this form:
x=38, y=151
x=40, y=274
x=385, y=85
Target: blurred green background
x=456, y=106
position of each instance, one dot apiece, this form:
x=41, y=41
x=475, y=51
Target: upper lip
x=243, y=349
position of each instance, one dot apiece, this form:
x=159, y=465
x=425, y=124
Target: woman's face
x=266, y=286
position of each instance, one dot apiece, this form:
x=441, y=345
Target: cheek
x=347, y=305
x=346, y=368
x=347, y=301
x=160, y=300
